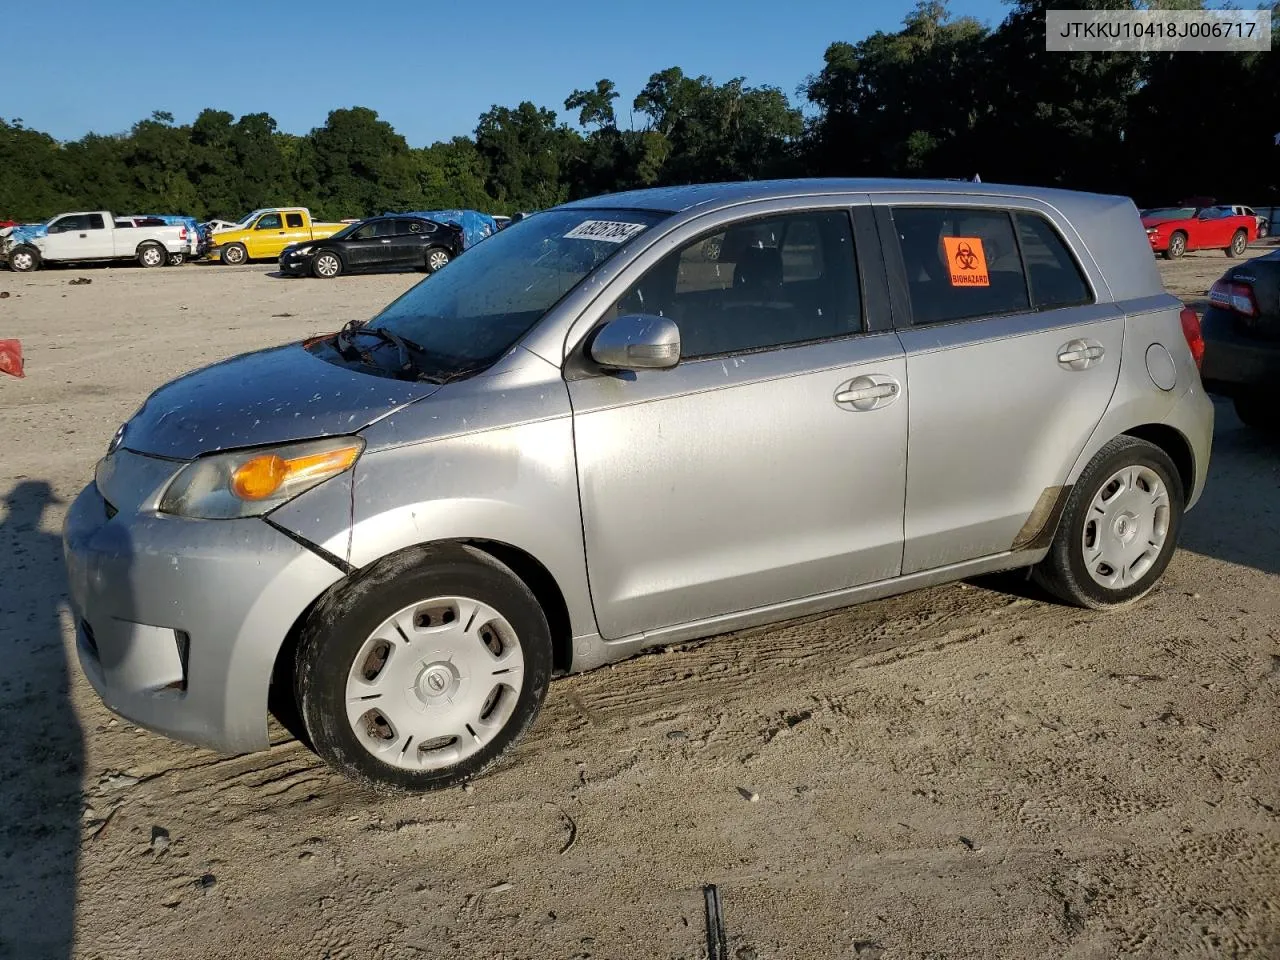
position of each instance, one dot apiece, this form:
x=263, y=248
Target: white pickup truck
x=91, y=236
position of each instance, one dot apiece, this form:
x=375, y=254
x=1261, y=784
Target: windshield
x=347, y=231
x=1171, y=213
x=249, y=216
x=473, y=311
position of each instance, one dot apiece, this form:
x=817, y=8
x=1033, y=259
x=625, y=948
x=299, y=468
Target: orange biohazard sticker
x=966, y=262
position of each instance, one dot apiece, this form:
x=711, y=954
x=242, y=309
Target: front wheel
x=177, y=259
x=422, y=672
x=1239, y=244
x=326, y=265
x=1119, y=529
x=437, y=259
x=234, y=254
x=24, y=258
x=152, y=255
x=1177, y=246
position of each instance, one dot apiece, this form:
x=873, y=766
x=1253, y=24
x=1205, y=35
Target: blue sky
x=429, y=68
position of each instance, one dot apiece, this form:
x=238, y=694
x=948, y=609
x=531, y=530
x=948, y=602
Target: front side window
x=71, y=223
x=468, y=316
x=270, y=222
x=961, y=263
x=756, y=285
x=294, y=220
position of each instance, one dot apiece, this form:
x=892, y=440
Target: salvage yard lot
x=968, y=771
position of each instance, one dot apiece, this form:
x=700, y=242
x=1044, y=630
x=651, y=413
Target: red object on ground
x=11, y=358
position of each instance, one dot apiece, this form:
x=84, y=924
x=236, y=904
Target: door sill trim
x=594, y=651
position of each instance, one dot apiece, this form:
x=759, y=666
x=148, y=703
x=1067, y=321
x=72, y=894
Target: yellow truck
x=262, y=234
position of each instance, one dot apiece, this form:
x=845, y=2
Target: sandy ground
x=968, y=771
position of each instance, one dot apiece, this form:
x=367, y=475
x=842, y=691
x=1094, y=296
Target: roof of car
x=712, y=195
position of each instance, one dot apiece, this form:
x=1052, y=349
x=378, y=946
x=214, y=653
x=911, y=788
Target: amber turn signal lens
x=260, y=477
x=263, y=476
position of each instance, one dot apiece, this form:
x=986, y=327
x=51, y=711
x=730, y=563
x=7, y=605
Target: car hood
x=270, y=396
x=1157, y=221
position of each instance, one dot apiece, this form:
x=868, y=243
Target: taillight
x=182, y=234
x=1191, y=330
x=1235, y=296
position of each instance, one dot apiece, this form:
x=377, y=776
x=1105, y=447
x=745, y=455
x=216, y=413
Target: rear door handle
x=868, y=393
x=1080, y=354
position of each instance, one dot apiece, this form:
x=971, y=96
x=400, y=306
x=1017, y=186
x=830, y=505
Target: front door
x=769, y=465
x=79, y=236
x=372, y=245
x=268, y=237
x=1011, y=363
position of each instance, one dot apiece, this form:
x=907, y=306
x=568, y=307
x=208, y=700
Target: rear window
x=961, y=263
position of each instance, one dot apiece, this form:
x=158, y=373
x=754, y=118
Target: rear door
x=769, y=464
x=296, y=228
x=373, y=245
x=411, y=241
x=1012, y=356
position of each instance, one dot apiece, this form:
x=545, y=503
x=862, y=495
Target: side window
x=1054, y=274
x=961, y=263
x=96, y=222
x=413, y=227
x=270, y=221
x=364, y=233
x=384, y=228
x=70, y=224
x=756, y=285
x=124, y=224
x=294, y=220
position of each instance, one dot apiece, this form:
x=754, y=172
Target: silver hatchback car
x=629, y=421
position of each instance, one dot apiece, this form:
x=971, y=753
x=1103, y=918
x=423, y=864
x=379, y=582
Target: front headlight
x=300, y=251
x=247, y=483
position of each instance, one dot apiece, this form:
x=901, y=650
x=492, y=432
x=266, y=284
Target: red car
x=1175, y=230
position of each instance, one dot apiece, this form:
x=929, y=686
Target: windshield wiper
x=407, y=350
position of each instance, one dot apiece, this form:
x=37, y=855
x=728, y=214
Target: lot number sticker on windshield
x=966, y=262
x=608, y=231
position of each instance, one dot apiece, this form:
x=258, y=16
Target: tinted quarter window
x=414, y=227
x=294, y=220
x=1054, y=275
x=961, y=263
x=96, y=222
x=758, y=284
x=270, y=222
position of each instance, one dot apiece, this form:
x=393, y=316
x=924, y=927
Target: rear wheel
x=1119, y=529
x=437, y=259
x=152, y=255
x=234, y=254
x=1239, y=244
x=1261, y=413
x=422, y=672
x=24, y=258
x=1177, y=246
x=177, y=259
x=326, y=265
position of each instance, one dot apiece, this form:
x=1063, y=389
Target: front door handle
x=868, y=393
x=1080, y=354
x=386, y=241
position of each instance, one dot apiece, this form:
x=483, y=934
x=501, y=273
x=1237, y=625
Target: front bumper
x=295, y=265
x=178, y=621
x=1235, y=364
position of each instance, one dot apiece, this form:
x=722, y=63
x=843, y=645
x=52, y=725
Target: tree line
x=944, y=96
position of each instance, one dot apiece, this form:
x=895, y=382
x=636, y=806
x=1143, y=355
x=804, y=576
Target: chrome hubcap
x=327, y=266
x=438, y=260
x=22, y=261
x=151, y=256
x=233, y=255
x=1126, y=528
x=434, y=683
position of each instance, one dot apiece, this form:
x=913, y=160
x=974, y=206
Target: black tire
x=1239, y=244
x=177, y=259
x=1063, y=572
x=151, y=254
x=343, y=621
x=234, y=254
x=326, y=265
x=1258, y=412
x=24, y=258
x=437, y=258
x=1177, y=246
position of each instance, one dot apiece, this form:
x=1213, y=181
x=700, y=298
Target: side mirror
x=637, y=342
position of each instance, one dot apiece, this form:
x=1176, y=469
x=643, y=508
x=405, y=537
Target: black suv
x=379, y=243
x=1241, y=331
